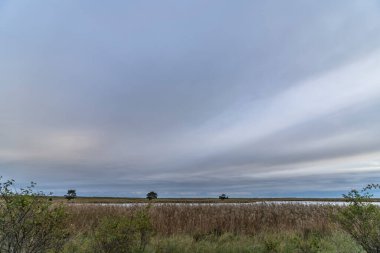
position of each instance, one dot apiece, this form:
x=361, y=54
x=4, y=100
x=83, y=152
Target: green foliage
x=282, y=242
x=71, y=194
x=28, y=221
x=123, y=234
x=80, y=243
x=151, y=195
x=361, y=219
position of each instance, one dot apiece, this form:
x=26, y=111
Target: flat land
x=261, y=228
x=112, y=200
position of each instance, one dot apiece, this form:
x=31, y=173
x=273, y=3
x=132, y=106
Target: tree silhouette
x=71, y=194
x=223, y=196
x=151, y=195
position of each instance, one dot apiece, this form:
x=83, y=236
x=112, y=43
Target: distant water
x=322, y=203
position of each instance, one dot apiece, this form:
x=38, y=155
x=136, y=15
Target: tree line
x=72, y=194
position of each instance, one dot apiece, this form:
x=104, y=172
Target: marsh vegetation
x=31, y=222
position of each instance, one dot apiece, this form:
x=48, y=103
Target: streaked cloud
x=190, y=98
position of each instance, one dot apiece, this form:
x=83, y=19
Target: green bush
x=361, y=219
x=123, y=234
x=28, y=221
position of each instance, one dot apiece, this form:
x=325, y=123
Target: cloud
x=331, y=92
x=190, y=98
x=52, y=146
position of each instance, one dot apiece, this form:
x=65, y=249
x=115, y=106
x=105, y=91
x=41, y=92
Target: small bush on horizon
x=71, y=194
x=151, y=195
x=223, y=196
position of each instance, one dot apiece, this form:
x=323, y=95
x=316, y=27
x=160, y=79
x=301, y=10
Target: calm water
x=338, y=203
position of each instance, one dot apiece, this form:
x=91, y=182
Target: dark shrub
x=151, y=195
x=71, y=194
x=223, y=196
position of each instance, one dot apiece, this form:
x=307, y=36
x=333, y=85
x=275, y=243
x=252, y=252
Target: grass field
x=208, y=228
x=165, y=225
x=192, y=200
x=84, y=225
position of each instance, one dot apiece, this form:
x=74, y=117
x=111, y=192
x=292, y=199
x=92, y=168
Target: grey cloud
x=336, y=135
x=130, y=96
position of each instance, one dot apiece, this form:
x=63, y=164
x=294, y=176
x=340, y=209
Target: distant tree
x=151, y=195
x=71, y=194
x=223, y=196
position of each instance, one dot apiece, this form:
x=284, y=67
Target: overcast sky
x=190, y=98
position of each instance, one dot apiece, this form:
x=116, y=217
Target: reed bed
x=171, y=219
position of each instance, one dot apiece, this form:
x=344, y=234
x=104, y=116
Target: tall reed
x=248, y=219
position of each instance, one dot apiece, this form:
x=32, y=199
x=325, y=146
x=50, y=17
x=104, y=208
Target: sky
x=190, y=98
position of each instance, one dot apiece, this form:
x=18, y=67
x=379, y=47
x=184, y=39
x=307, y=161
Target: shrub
x=71, y=194
x=361, y=219
x=123, y=234
x=151, y=195
x=28, y=221
x=223, y=197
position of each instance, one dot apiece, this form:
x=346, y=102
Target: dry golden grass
x=171, y=219
x=97, y=200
